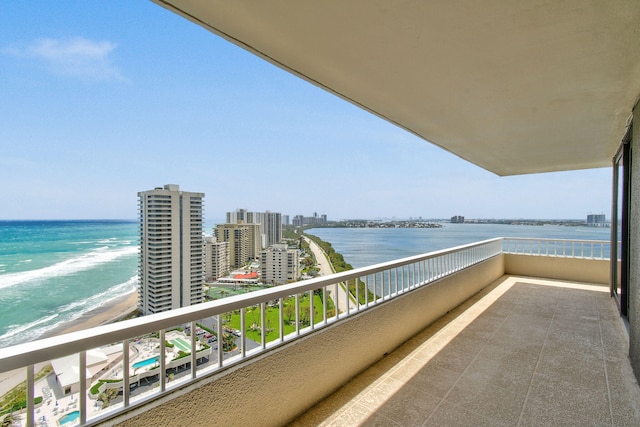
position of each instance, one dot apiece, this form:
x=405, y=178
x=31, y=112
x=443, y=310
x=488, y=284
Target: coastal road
x=322, y=262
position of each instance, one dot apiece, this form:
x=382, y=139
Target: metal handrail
x=386, y=281
x=593, y=249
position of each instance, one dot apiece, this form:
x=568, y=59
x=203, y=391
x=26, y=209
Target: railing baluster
x=281, y=315
x=193, y=352
x=30, y=395
x=243, y=332
x=297, y=299
x=312, y=320
x=163, y=362
x=126, y=387
x=403, y=282
x=384, y=292
x=263, y=327
x=336, y=300
x=375, y=288
x=220, y=338
x=346, y=297
x=366, y=281
x=324, y=304
x=82, y=398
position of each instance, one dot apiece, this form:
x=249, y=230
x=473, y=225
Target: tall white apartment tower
x=171, y=267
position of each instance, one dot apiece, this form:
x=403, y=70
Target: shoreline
x=108, y=313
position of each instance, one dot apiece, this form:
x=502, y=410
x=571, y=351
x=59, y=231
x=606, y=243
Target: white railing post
x=263, y=323
x=220, y=338
x=82, y=398
x=30, y=395
x=194, y=347
x=163, y=362
x=243, y=332
x=126, y=387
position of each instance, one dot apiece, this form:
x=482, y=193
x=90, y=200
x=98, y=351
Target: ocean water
x=362, y=247
x=52, y=272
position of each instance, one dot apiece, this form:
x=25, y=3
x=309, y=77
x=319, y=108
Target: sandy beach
x=108, y=313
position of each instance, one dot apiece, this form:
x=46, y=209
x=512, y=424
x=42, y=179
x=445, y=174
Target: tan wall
x=574, y=269
x=274, y=388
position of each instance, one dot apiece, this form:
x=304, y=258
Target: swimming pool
x=69, y=418
x=146, y=362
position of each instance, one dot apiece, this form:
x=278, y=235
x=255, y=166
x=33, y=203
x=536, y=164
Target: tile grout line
x=604, y=362
x=510, y=285
x=535, y=370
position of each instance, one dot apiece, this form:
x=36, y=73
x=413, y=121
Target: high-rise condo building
x=240, y=215
x=272, y=227
x=216, y=258
x=279, y=265
x=171, y=267
x=300, y=220
x=244, y=242
x=270, y=224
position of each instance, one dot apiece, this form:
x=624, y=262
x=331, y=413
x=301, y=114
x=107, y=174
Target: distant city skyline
x=95, y=109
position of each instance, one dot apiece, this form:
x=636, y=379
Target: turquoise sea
x=52, y=272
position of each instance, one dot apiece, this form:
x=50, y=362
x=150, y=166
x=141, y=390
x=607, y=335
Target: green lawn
x=253, y=318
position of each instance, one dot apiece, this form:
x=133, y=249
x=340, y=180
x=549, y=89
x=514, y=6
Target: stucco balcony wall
x=560, y=268
x=274, y=388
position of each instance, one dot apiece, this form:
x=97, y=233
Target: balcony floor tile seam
x=605, y=368
x=599, y=347
x=473, y=313
x=446, y=410
x=535, y=370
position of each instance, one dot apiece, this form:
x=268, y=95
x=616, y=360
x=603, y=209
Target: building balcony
x=500, y=332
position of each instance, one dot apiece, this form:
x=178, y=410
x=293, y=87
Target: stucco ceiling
x=514, y=87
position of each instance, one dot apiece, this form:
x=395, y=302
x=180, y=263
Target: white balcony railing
x=292, y=304
x=593, y=249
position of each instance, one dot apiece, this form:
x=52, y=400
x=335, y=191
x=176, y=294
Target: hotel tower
x=171, y=267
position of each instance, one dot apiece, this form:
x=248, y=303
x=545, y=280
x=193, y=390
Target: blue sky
x=100, y=100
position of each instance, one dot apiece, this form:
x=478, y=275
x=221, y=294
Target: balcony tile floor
x=523, y=352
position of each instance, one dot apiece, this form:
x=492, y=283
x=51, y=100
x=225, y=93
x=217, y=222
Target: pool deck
x=56, y=405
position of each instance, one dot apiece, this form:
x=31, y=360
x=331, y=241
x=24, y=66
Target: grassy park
x=253, y=317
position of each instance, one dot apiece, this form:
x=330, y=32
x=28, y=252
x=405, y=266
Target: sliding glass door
x=620, y=226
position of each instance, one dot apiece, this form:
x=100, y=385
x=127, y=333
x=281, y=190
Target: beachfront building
x=300, y=220
x=270, y=224
x=279, y=265
x=457, y=219
x=171, y=267
x=272, y=228
x=597, y=220
x=244, y=242
x=238, y=216
x=216, y=258
x=98, y=362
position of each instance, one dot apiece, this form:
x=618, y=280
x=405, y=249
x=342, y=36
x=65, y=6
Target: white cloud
x=78, y=57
